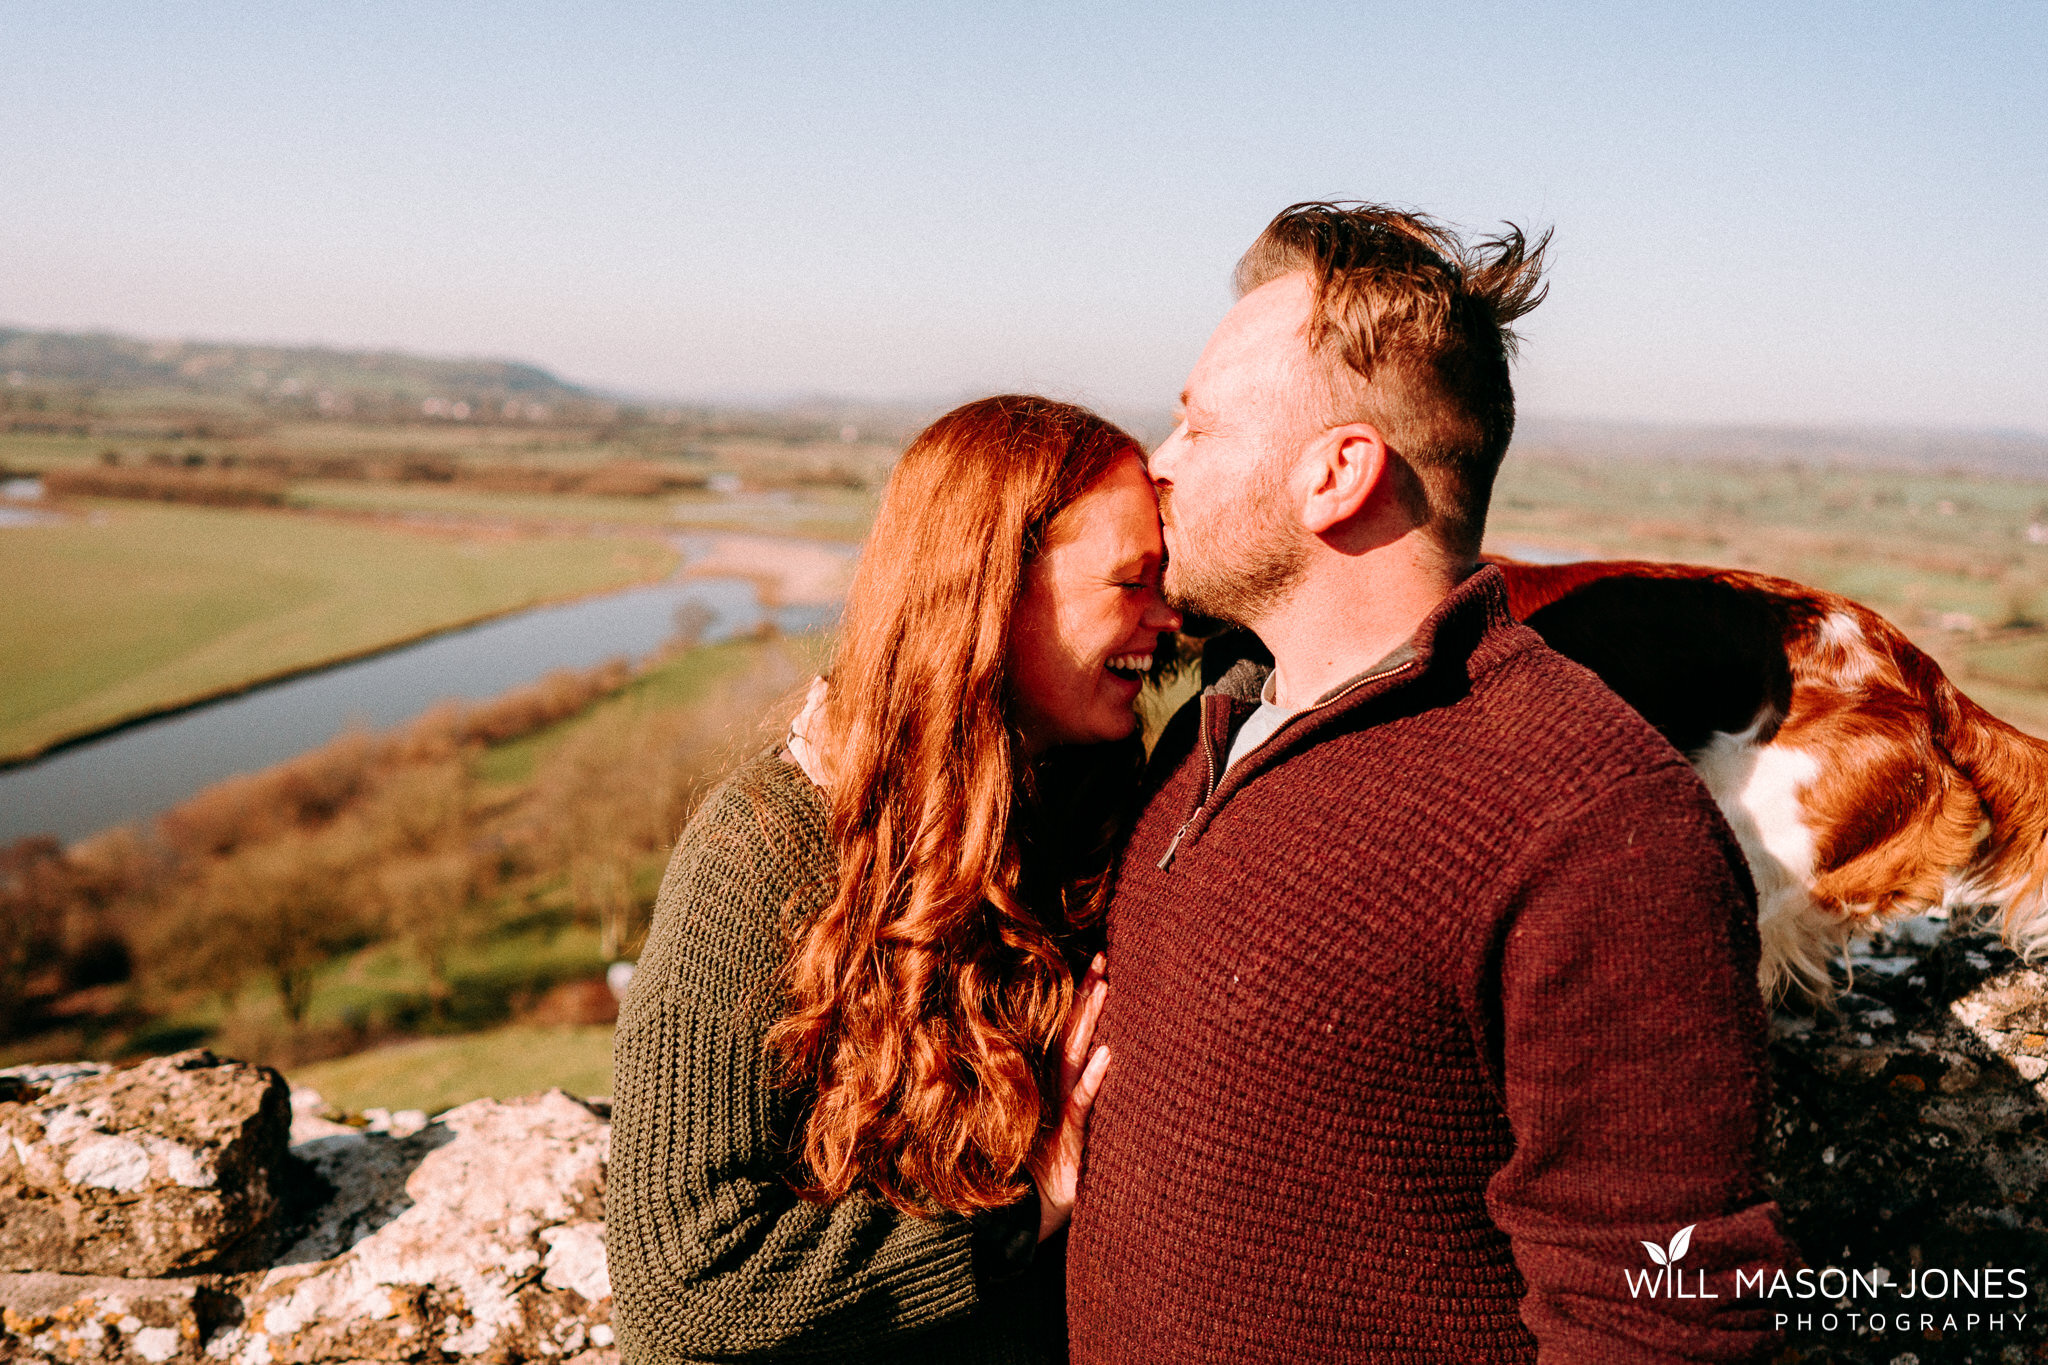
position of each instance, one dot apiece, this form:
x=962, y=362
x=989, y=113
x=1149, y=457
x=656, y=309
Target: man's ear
x=1345, y=465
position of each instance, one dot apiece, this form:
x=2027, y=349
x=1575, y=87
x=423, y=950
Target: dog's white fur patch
x=1840, y=629
x=1842, y=632
x=1758, y=788
x=1968, y=896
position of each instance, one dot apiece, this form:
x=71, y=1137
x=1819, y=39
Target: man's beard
x=1242, y=560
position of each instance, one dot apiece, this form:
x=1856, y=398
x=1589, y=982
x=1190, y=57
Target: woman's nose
x=1159, y=616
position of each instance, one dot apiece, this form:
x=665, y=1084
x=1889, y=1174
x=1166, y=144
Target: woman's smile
x=1089, y=619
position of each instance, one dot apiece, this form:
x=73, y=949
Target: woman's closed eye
x=1138, y=575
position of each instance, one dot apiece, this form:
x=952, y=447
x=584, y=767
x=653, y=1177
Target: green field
x=819, y=514
x=1968, y=528
x=438, y=1073
x=125, y=608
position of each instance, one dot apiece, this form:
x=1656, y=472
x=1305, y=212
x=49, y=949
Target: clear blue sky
x=1778, y=212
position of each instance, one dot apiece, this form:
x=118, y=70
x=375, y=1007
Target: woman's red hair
x=922, y=1003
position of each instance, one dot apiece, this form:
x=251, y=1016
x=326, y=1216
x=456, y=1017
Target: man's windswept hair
x=1413, y=329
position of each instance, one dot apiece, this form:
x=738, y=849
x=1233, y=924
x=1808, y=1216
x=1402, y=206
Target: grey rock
x=170, y=1167
x=480, y=1234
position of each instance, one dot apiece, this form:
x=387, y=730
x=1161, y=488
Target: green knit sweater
x=713, y=1257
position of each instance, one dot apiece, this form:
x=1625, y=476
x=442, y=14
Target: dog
x=1861, y=784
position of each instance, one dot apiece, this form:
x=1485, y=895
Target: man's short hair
x=1410, y=327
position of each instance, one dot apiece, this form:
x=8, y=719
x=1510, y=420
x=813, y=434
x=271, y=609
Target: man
x=1433, y=964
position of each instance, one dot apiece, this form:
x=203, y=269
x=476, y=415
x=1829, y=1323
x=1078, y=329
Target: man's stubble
x=1242, y=559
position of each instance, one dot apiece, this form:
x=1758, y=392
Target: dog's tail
x=2009, y=770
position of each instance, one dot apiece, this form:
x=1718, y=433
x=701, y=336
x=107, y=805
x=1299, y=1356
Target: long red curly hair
x=921, y=1005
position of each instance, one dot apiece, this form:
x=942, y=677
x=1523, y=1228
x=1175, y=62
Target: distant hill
x=76, y=380
x=2013, y=454
x=263, y=378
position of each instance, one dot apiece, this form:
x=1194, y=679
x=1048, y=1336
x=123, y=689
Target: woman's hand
x=1056, y=1167
x=803, y=732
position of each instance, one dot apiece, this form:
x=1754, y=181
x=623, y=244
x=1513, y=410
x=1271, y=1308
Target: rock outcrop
x=478, y=1234
x=481, y=1233
x=173, y=1167
x=1909, y=1131
x=1913, y=1119
x=105, y=1317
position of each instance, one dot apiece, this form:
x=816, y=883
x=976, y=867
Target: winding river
x=147, y=768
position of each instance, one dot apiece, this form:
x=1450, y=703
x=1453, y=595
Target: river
x=140, y=771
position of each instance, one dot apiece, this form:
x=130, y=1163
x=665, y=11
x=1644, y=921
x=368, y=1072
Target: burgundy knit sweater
x=1424, y=1017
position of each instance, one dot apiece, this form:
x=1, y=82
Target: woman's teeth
x=1134, y=665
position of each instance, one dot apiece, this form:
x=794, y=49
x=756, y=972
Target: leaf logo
x=1679, y=1243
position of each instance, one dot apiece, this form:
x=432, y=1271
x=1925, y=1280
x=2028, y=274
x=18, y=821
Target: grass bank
x=438, y=1073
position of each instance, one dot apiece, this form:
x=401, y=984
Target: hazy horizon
x=1547, y=425
x=1762, y=217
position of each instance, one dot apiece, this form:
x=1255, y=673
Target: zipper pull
x=1166, y=859
x=1209, y=781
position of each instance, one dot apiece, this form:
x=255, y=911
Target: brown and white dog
x=1861, y=784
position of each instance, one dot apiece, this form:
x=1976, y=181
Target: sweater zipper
x=1213, y=779
x=1209, y=784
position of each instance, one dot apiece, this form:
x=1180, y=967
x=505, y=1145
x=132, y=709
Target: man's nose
x=1162, y=460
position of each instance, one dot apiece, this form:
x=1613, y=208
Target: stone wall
x=154, y=1214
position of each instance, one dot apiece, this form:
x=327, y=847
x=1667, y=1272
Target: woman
x=838, y=1133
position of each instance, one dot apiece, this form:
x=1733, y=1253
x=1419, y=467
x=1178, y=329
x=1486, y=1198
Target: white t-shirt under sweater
x=1259, y=725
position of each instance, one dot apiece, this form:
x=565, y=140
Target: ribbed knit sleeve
x=713, y=1256
x=1619, y=1009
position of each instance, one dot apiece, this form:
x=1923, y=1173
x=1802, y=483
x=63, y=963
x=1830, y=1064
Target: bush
x=208, y=487
x=367, y=837
x=63, y=920
x=2019, y=601
x=619, y=790
x=280, y=909
x=34, y=891
x=557, y=696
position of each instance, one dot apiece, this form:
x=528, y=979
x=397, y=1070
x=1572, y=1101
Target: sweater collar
x=1467, y=633
x=1456, y=633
